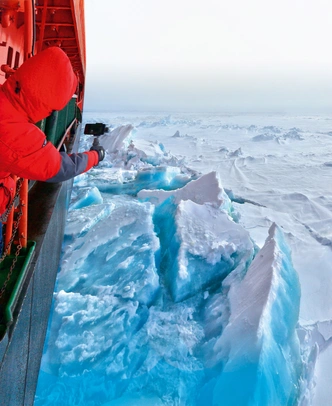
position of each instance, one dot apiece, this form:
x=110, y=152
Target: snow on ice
x=174, y=290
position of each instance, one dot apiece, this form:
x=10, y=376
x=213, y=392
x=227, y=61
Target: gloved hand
x=98, y=148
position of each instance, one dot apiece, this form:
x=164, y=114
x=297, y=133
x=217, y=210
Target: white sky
x=209, y=55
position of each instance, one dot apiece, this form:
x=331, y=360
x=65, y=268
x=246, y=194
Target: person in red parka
x=44, y=83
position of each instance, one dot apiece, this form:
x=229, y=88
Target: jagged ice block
x=259, y=347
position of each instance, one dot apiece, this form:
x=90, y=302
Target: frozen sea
x=196, y=265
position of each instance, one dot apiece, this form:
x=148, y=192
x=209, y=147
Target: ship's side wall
x=21, y=349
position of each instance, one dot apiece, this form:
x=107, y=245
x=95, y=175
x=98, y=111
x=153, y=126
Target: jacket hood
x=43, y=83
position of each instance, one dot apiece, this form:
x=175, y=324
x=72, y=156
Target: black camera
x=95, y=129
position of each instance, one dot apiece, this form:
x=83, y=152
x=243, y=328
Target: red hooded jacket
x=44, y=83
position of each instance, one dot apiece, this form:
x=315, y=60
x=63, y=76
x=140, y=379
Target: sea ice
x=259, y=346
x=114, y=141
x=206, y=189
x=86, y=197
x=200, y=245
x=131, y=182
x=131, y=167
x=110, y=240
x=164, y=300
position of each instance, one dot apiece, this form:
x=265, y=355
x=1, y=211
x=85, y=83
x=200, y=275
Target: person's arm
x=26, y=153
x=74, y=164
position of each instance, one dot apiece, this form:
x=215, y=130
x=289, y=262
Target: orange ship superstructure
x=34, y=225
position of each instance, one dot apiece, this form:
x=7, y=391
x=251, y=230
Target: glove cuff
x=93, y=158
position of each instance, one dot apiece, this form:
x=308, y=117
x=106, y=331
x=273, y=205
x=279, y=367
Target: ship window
x=10, y=56
x=9, y=59
x=17, y=60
